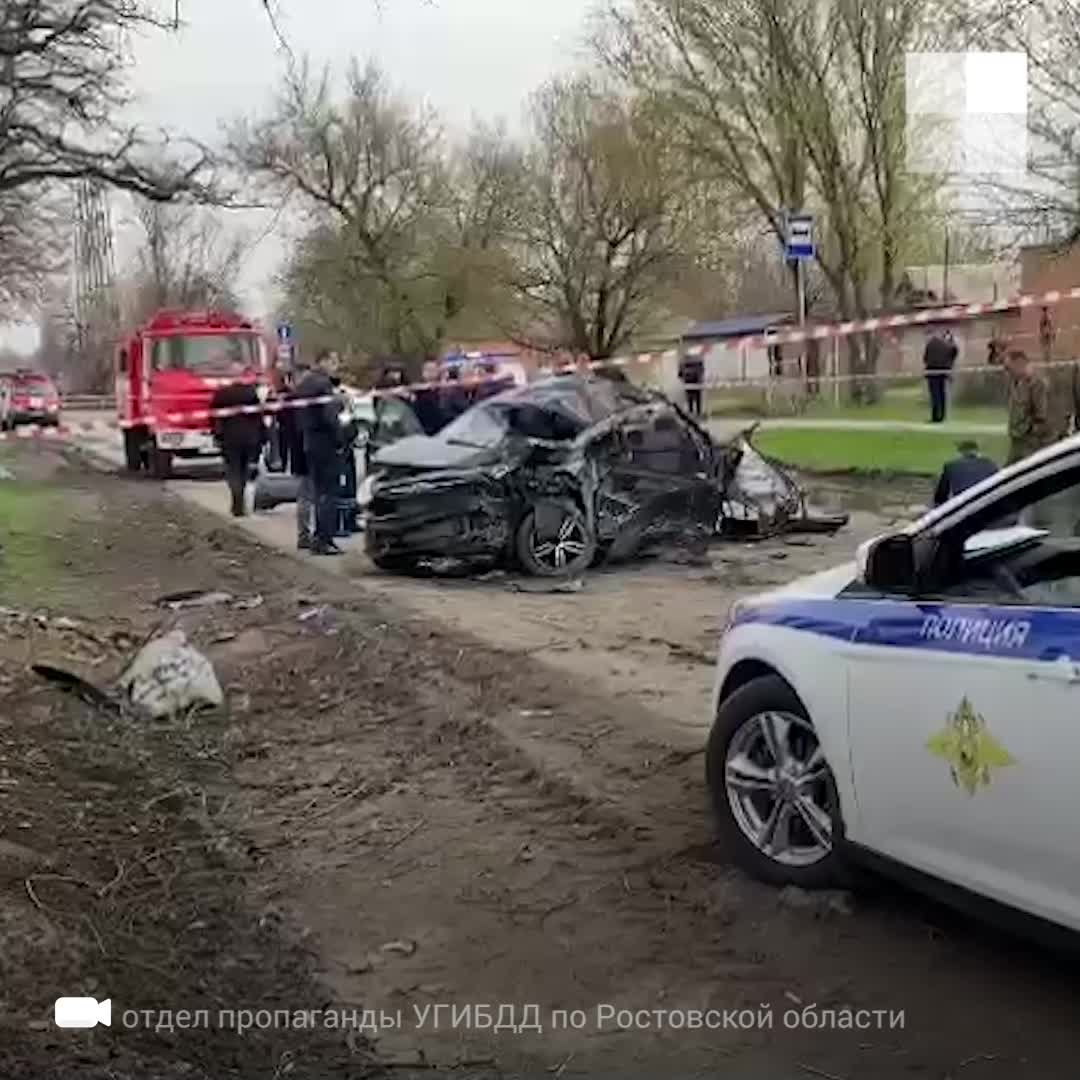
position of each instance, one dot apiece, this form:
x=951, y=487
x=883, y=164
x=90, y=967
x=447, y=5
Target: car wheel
x=394, y=564
x=567, y=546
x=772, y=790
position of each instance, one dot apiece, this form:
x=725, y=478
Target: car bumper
x=41, y=417
x=188, y=443
x=465, y=521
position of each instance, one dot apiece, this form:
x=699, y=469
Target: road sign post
x=798, y=247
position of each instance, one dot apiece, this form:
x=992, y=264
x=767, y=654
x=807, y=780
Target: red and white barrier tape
x=953, y=312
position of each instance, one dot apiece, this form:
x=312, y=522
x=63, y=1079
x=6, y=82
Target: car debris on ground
x=169, y=676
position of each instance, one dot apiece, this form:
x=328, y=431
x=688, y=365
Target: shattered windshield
x=483, y=426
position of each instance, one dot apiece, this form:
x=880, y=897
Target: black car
x=551, y=476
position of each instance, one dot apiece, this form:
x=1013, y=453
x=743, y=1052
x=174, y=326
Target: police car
x=920, y=707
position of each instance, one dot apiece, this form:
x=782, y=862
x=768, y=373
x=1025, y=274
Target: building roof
x=742, y=326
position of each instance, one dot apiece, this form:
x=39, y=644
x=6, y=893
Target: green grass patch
x=826, y=450
x=907, y=403
x=28, y=519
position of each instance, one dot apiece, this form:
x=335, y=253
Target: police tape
x=949, y=313
x=68, y=431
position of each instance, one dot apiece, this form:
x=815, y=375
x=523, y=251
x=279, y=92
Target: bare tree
x=370, y=169
x=791, y=104
x=185, y=258
x=607, y=218
x=482, y=201
x=31, y=247
x=63, y=73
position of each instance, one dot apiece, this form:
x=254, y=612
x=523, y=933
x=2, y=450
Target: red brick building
x=1045, y=267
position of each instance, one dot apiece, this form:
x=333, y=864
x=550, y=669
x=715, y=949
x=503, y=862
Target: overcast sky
x=467, y=57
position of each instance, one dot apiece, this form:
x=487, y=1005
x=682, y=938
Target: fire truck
x=168, y=369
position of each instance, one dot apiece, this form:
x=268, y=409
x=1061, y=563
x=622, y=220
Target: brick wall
x=1042, y=269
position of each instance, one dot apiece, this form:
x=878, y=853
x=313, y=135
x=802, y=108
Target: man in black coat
x=240, y=436
x=320, y=426
x=692, y=376
x=292, y=438
x=939, y=359
x=965, y=471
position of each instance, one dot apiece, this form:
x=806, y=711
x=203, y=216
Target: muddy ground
x=409, y=802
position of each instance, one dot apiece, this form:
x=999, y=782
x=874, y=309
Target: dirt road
x=426, y=794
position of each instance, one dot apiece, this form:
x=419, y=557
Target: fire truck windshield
x=205, y=353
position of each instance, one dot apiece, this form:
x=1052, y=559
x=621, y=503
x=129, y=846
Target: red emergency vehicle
x=171, y=366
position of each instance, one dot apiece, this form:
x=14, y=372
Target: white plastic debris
x=169, y=676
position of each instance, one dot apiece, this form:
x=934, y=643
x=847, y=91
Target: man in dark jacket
x=321, y=431
x=939, y=359
x=293, y=440
x=240, y=437
x=965, y=471
x=692, y=375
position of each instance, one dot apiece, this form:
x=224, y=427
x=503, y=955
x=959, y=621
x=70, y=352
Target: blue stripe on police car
x=1014, y=632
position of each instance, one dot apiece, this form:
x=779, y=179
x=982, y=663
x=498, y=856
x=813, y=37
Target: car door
x=662, y=470
x=964, y=714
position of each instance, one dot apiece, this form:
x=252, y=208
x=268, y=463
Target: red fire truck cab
x=167, y=372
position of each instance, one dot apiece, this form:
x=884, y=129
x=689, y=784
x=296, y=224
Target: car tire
x=393, y=563
x=572, y=552
x=749, y=792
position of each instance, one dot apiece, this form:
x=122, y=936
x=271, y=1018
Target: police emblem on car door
x=971, y=751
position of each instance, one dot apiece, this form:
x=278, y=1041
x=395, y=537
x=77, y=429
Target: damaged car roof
x=564, y=405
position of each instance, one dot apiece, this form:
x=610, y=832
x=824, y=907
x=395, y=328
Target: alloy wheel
x=567, y=546
x=779, y=788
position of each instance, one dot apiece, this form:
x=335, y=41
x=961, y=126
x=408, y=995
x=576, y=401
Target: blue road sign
x=799, y=241
x=284, y=333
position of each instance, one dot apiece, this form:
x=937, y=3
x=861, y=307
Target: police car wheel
x=772, y=790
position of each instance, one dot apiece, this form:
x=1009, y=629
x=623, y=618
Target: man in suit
x=965, y=471
x=240, y=436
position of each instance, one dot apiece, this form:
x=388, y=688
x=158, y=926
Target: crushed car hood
x=422, y=453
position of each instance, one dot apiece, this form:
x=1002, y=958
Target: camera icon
x=82, y=1012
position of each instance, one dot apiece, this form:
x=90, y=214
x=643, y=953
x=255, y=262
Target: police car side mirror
x=889, y=564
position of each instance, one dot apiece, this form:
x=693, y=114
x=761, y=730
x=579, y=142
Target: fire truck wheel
x=160, y=463
x=133, y=451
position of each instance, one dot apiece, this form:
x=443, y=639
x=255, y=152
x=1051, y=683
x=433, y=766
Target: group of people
x=1039, y=414
x=315, y=443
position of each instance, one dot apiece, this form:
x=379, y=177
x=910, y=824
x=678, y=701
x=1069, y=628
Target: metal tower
x=97, y=314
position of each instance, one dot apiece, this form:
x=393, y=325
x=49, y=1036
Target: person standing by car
x=1030, y=426
x=320, y=429
x=426, y=402
x=292, y=437
x=692, y=375
x=240, y=437
x=939, y=358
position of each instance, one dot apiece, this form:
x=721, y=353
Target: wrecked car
x=554, y=477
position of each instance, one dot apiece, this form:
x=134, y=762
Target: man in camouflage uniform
x=1034, y=424
x=1030, y=424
